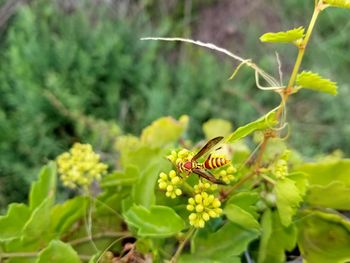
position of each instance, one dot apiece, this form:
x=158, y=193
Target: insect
x=202, y=169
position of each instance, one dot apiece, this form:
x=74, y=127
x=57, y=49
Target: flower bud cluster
x=80, y=166
x=170, y=182
x=227, y=175
x=180, y=156
x=202, y=187
x=280, y=169
x=203, y=207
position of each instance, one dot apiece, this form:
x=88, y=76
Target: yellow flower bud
x=198, y=198
x=163, y=176
x=201, y=223
x=178, y=191
x=204, y=195
x=172, y=174
x=192, y=216
x=216, y=203
x=190, y=207
x=175, y=180
x=199, y=208
x=183, y=153
x=212, y=213
x=231, y=170
x=162, y=185
x=191, y=201
x=223, y=173
x=218, y=211
x=205, y=216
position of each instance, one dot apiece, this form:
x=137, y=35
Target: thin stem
x=110, y=245
x=32, y=255
x=188, y=187
x=267, y=136
x=268, y=179
x=272, y=81
x=98, y=236
x=303, y=44
x=182, y=245
x=18, y=255
x=227, y=193
x=253, y=172
x=284, y=95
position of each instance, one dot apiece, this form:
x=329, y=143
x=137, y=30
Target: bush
x=64, y=72
x=73, y=74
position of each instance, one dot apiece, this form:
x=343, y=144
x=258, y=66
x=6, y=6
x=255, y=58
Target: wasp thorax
x=188, y=165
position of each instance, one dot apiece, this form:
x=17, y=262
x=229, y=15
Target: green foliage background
x=77, y=71
x=81, y=74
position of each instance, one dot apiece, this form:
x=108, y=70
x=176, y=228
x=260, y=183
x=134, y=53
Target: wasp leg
x=209, y=176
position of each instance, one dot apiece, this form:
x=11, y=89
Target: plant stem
x=18, y=255
x=181, y=246
x=32, y=255
x=285, y=94
x=302, y=46
x=188, y=187
x=255, y=170
x=73, y=243
x=268, y=179
x=98, y=236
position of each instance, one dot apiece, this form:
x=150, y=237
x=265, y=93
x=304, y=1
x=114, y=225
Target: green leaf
x=110, y=202
x=275, y=239
x=301, y=181
x=283, y=36
x=329, y=183
x=325, y=172
x=338, y=3
x=216, y=127
x=241, y=217
x=246, y=201
x=57, y=252
x=314, y=81
x=164, y=131
x=37, y=230
x=265, y=122
x=189, y=258
x=127, y=177
x=143, y=189
x=12, y=223
x=330, y=196
x=229, y=241
x=44, y=187
x=139, y=156
x=324, y=237
x=288, y=199
x=158, y=221
x=63, y=216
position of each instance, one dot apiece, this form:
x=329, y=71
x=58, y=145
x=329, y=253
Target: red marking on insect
x=188, y=165
x=202, y=169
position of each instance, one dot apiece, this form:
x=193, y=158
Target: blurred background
x=75, y=70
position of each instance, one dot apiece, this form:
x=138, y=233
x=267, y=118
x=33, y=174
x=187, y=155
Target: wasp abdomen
x=213, y=162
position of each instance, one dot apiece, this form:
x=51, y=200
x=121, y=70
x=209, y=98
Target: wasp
x=202, y=169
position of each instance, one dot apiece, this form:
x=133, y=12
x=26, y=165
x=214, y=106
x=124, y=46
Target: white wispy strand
x=268, y=78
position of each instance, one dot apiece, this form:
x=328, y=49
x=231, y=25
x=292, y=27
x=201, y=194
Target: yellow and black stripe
x=215, y=162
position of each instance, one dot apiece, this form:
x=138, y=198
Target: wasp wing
x=208, y=175
x=210, y=144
